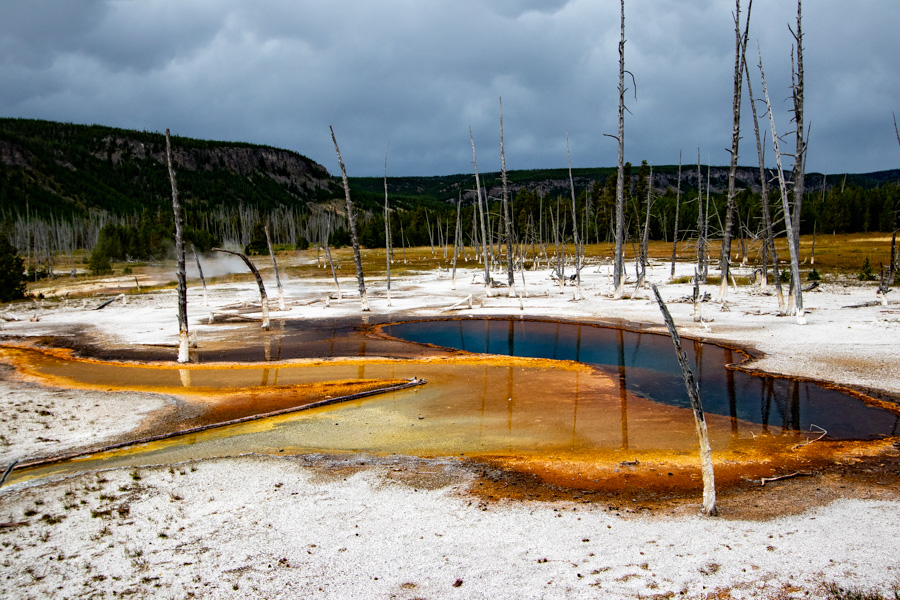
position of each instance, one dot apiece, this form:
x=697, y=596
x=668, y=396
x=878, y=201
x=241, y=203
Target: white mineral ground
x=368, y=527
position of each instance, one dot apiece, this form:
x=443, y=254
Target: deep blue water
x=646, y=364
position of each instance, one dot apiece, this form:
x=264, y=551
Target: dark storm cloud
x=416, y=74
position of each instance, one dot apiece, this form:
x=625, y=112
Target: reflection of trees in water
x=623, y=392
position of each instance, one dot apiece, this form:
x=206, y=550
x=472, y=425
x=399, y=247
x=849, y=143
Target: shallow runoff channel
x=565, y=402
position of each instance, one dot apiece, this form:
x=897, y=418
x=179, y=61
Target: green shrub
x=813, y=275
x=866, y=273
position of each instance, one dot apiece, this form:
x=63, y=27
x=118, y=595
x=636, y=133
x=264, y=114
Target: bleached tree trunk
x=574, y=224
x=706, y=465
x=793, y=246
x=481, y=209
x=619, y=258
x=263, y=297
x=645, y=235
x=799, y=169
x=351, y=219
x=769, y=234
x=701, y=225
x=456, y=235
x=333, y=270
x=387, y=232
x=275, y=266
x=740, y=47
x=677, y=214
x=507, y=223
x=183, y=334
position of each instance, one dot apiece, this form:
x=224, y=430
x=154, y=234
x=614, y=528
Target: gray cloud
x=415, y=75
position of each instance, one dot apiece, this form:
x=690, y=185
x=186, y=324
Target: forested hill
x=69, y=171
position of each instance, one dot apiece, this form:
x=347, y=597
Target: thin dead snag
x=793, y=242
x=769, y=250
x=799, y=169
x=619, y=264
x=199, y=271
x=481, y=209
x=706, y=466
x=677, y=215
x=387, y=231
x=701, y=270
x=275, y=266
x=351, y=221
x=183, y=335
x=578, y=249
x=740, y=48
x=263, y=297
x=506, y=220
x=456, y=235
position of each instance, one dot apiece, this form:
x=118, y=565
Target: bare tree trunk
x=645, y=235
x=263, y=298
x=199, y=270
x=706, y=466
x=574, y=225
x=769, y=242
x=333, y=271
x=456, y=236
x=351, y=219
x=799, y=170
x=481, y=209
x=506, y=219
x=619, y=259
x=793, y=246
x=275, y=266
x=387, y=232
x=740, y=47
x=183, y=335
x=701, y=225
x=677, y=214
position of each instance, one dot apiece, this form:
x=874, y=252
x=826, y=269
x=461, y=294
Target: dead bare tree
x=701, y=225
x=199, y=271
x=799, y=169
x=677, y=214
x=263, y=297
x=351, y=220
x=275, y=266
x=792, y=234
x=740, y=48
x=387, y=230
x=507, y=222
x=183, y=335
x=481, y=210
x=578, y=248
x=769, y=250
x=619, y=259
x=456, y=237
x=706, y=465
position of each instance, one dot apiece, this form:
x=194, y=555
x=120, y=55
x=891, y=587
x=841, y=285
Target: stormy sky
x=410, y=76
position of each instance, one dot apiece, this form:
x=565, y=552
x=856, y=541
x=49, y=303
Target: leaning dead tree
x=793, y=242
x=619, y=259
x=481, y=210
x=506, y=220
x=183, y=335
x=677, y=215
x=275, y=266
x=769, y=252
x=706, y=465
x=740, y=49
x=351, y=220
x=263, y=297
